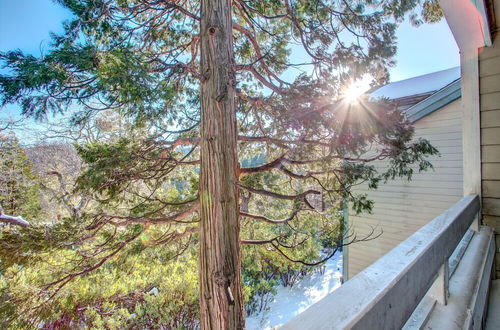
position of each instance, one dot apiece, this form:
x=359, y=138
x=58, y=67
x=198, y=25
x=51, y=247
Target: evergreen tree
x=19, y=190
x=208, y=83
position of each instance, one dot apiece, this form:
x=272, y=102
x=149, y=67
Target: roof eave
x=468, y=21
x=434, y=102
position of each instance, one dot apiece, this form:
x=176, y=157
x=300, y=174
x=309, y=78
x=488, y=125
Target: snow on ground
x=289, y=302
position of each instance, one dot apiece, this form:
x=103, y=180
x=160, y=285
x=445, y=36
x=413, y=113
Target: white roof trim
x=434, y=102
x=468, y=21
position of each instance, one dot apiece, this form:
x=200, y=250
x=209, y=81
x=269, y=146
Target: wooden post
x=471, y=136
x=440, y=288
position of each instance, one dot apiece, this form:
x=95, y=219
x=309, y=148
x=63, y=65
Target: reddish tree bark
x=221, y=298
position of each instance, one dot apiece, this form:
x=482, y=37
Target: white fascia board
x=434, y=102
x=468, y=21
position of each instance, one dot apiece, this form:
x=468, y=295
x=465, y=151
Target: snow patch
x=154, y=291
x=289, y=302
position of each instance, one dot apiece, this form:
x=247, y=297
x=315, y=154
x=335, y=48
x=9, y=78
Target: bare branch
x=257, y=242
x=280, y=142
x=19, y=221
x=266, y=219
x=280, y=196
x=266, y=167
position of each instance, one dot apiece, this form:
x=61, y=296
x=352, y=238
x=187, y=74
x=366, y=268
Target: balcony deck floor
x=493, y=319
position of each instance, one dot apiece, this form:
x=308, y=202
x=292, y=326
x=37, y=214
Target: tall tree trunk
x=221, y=299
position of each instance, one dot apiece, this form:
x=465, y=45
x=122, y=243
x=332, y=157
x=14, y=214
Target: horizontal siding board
x=450, y=173
x=447, y=156
x=387, y=230
x=490, y=84
x=364, y=250
x=490, y=154
x=418, y=197
x=370, y=221
x=438, y=163
x=365, y=247
x=447, y=142
x=366, y=256
x=442, y=136
x=394, y=207
x=383, y=221
x=490, y=118
x=490, y=171
x=448, y=149
x=412, y=190
x=443, y=120
x=494, y=222
x=444, y=115
x=489, y=66
x=429, y=131
x=402, y=197
x=357, y=262
x=391, y=216
x=404, y=200
x=356, y=269
x=384, y=242
x=388, y=234
x=490, y=136
x=489, y=52
x=442, y=161
x=426, y=184
x=491, y=189
x=491, y=206
x=446, y=173
x=384, y=217
x=437, y=175
x=490, y=102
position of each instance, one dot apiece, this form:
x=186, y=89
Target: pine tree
x=19, y=190
x=209, y=83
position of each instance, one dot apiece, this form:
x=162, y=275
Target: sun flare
x=352, y=92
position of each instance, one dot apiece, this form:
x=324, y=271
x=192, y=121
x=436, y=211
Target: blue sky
x=25, y=24
x=424, y=49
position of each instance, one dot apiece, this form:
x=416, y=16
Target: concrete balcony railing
x=439, y=275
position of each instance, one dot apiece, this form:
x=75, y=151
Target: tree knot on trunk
x=212, y=30
x=222, y=96
x=205, y=75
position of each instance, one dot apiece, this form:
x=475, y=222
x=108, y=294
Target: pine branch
x=66, y=279
x=175, y=218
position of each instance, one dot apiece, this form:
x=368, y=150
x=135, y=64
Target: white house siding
x=402, y=207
